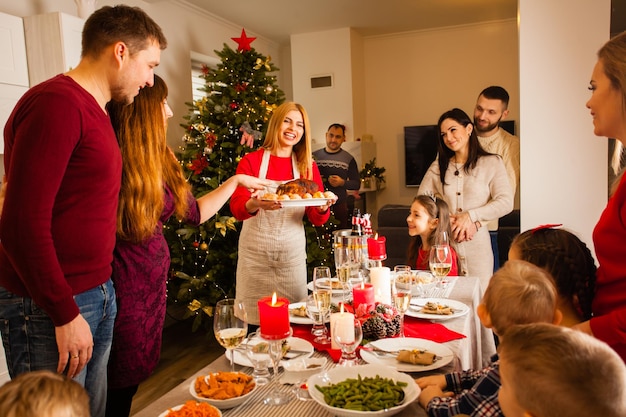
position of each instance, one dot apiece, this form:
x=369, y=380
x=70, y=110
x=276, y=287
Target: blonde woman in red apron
x=272, y=244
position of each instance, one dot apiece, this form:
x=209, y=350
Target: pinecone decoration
x=374, y=328
x=380, y=322
x=393, y=327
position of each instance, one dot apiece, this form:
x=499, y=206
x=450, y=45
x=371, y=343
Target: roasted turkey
x=300, y=186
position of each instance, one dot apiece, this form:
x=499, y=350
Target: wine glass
x=348, y=338
x=440, y=258
x=276, y=353
x=322, y=293
x=402, y=274
x=342, y=264
x=401, y=288
x=321, y=277
x=313, y=303
x=257, y=350
x=230, y=325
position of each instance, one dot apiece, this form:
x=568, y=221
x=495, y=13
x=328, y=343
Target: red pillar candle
x=274, y=317
x=376, y=250
x=363, y=294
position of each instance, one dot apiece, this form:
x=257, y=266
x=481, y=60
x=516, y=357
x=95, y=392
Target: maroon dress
x=139, y=275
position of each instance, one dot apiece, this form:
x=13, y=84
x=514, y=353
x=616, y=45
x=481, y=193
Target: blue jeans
x=29, y=340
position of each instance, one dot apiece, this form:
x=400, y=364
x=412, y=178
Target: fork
x=378, y=351
x=382, y=352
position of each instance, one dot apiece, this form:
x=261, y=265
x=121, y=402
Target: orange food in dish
x=195, y=409
x=224, y=385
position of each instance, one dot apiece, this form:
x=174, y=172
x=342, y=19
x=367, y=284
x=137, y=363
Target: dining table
x=471, y=343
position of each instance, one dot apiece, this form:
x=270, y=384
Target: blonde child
x=43, y=394
x=518, y=293
x=569, y=262
x=550, y=371
x=428, y=219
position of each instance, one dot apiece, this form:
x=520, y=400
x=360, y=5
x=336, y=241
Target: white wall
x=319, y=54
x=563, y=165
x=412, y=78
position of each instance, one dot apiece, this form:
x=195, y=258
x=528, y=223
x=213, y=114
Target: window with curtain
x=197, y=82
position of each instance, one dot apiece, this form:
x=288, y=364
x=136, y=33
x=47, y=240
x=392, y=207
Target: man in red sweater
x=57, y=230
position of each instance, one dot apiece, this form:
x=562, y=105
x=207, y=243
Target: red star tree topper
x=243, y=41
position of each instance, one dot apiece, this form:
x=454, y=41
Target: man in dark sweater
x=339, y=171
x=57, y=230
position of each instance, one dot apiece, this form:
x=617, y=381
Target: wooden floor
x=183, y=353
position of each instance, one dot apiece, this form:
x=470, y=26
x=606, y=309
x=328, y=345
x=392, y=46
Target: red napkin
x=424, y=329
x=413, y=327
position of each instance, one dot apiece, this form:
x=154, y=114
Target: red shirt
x=279, y=169
x=63, y=167
x=609, y=303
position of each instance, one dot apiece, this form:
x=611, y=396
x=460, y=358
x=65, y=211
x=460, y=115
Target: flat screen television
x=420, y=150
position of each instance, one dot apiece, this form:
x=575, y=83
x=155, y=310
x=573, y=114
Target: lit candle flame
x=274, y=299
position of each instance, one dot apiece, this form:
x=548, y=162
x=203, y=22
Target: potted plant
x=372, y=175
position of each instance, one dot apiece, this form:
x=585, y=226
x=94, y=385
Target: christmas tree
x=241, y=94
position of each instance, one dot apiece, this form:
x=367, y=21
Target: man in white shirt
x=491, y=108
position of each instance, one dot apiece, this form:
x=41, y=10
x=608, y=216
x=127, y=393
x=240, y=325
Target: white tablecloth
x=471, y=352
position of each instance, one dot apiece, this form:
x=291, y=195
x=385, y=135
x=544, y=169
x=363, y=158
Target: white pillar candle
x=380, y=277
x=342, y=326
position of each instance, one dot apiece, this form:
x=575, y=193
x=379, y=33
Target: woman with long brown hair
x=153, y=189
x=475, y=185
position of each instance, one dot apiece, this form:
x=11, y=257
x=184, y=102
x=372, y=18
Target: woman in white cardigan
x=476, y=187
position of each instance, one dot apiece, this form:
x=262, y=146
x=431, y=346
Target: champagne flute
x=342, y=264
x=322, y=293
x=317, y=308
x=401, y=295
x=230, y=325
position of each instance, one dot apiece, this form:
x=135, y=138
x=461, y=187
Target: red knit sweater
x=279, y=169
x=63, y=167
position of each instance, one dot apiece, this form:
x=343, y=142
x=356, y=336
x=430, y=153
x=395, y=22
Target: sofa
x=392, y=225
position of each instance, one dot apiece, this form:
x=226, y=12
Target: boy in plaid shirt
x=518, y=293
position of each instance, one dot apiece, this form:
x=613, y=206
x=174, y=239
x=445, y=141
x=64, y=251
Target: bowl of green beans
x=364, y=390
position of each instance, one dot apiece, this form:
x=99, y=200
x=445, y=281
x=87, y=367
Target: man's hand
x=336, y=181
x=75, y=343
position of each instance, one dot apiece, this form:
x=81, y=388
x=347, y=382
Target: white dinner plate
x=334, y=291
x=298, y=319
x=416, y=305
x=423, y=281
x=408, y=343
x=295, y=343
x=304, y=202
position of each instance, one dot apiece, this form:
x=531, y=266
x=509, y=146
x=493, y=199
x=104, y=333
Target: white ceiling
x=278, y=19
